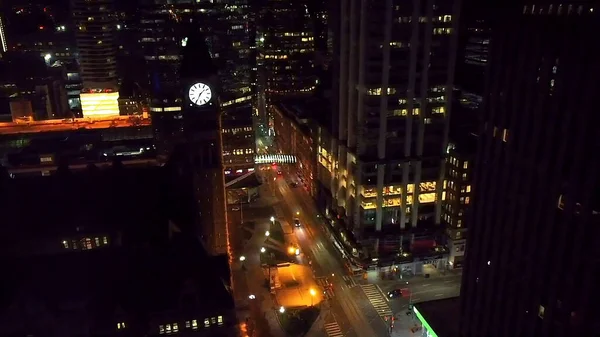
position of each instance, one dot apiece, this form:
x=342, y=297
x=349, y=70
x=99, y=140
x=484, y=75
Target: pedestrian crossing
x=350, y=281
x=333, y=330
x=326, y=286
x=377, y=299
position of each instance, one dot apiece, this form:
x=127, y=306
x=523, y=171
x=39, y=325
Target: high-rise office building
x=286, y=48
x=471, y=62
x=95, y=25
x=530, y=265
x=395, y=66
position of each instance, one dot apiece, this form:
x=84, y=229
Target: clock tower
x=201, y=133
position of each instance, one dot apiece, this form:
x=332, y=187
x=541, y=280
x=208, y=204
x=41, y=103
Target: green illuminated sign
x=430, y=331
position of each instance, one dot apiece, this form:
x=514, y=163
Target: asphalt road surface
x=348, y=306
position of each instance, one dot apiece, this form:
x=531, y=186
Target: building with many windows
x=164, y=32
x=458, y=191
x=530, y=265
x=95, y=26
x=238, y=142
x=286, y=48
x=395, y=62
x=95, y=36
x=294, y=136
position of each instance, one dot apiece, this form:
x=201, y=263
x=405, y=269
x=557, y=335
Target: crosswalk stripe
x=350, y=281
x=328, y=291
x=333, y=330
x=377, y=300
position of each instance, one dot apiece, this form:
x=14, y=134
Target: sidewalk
x=374, y=277
x=266, y=197
x=260, y=312
x=403, y=325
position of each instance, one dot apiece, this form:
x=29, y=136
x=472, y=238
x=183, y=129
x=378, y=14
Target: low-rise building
x=105, y=252
x=294, y=136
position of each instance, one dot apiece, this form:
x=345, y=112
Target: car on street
x=279, y=173
x=395, y=293
x=293, y=184
x=297, y=222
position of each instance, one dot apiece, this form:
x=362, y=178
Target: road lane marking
x=327, y=291
x=382, y=294
x=349, y=281
x=377, y=299
x=333, y=329
x=439, y=295
x=430, y=290
x=425, y=285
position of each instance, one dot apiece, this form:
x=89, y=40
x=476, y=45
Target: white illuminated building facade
x=3, y=43
x=95, y=37
x=100, y=103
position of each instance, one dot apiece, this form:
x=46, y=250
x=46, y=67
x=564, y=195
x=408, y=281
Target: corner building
x=531, y=266
x=395, y=61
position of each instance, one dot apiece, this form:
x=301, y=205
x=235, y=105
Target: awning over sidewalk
x=249, y=181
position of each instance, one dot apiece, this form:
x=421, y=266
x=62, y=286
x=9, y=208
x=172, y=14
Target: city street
x=356, y=317
x=353, y=306
x=358, y=308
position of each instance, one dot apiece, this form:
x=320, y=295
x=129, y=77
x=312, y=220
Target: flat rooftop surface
x=55, y=125
x=441, y=315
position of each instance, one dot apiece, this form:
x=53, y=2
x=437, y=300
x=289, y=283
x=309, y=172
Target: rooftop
x=54, y=125
x=442, y=316
x=101, y=287
x=149, y=276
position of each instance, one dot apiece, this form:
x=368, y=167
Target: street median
x=276, y=233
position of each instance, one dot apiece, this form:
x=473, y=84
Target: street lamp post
x=241, y=212
x=312, y=296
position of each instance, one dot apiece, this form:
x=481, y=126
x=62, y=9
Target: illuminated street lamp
x=272, y=219
x=267, y=233
x=251, y=297
x=312, y=296
x=242, y=258
x=297, y=251
x=291, y=250
x=262, y=249
x=281, y=309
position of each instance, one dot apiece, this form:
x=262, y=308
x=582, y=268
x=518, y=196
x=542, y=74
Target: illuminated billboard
x=428, y=330
x=100, y=104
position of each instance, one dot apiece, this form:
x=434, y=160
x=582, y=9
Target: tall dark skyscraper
x=201, y=123
x=286, y=48
x=530, y=264
x=95, y=25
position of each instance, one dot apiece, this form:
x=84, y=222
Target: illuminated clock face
x=200, y=94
